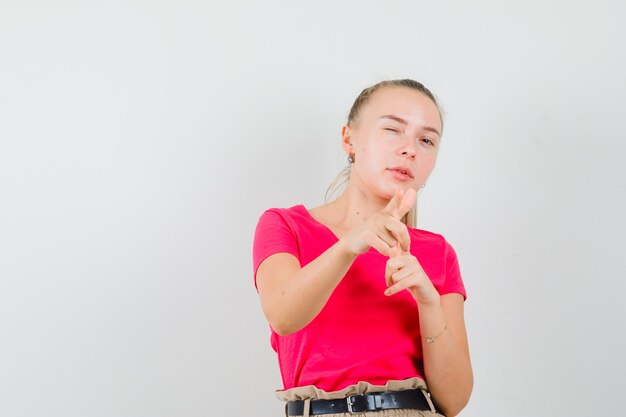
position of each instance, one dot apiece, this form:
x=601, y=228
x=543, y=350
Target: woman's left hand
x=403, y=271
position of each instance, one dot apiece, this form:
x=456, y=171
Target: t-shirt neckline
x=306, y=212
x=314, y=220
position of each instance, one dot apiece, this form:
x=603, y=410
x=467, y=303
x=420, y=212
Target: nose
x=409, y=152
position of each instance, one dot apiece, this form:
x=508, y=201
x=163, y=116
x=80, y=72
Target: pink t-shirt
x=360, y=334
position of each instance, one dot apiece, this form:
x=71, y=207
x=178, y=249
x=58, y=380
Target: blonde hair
x=339, y=183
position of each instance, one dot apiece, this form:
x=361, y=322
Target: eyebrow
x=404, y=122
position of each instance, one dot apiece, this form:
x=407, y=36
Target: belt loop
x=307, y=408
x=428, y=399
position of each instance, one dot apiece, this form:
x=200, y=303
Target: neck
x=356, y=205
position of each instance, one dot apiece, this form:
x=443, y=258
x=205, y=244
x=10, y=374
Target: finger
x=393, y=265
x=401, y=267
x=401, y=233
x=387, y=237
x=392, y=275
x=381, y=246
x=408, y=198
x=394, y=252
x=393, y=206
x=401, y=285
x=401, y=273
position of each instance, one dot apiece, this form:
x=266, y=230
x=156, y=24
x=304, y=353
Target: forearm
x=298, y=300
x=447, y=366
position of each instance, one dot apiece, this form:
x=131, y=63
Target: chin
x=405, y=186
x=388, y=192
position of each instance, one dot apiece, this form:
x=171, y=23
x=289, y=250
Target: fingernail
x=387, y=292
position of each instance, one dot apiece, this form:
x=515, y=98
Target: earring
x=423, y=185
x=350, y=159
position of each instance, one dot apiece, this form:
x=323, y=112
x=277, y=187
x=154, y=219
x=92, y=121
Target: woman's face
x=397, y=129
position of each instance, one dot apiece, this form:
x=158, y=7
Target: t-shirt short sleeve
x=272, y=235
x=453, y=282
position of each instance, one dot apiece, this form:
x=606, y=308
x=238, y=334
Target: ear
x=346, y=139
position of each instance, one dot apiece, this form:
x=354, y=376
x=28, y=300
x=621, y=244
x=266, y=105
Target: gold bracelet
x=431, y=339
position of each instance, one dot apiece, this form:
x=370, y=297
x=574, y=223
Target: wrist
x=344, y=249
x=427, y=299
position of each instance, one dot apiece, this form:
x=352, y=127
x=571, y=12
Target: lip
x=401, y=168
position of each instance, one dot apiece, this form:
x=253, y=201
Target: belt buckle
x=350, y=403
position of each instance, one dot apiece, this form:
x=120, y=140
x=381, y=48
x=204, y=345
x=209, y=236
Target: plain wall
x=141, y=141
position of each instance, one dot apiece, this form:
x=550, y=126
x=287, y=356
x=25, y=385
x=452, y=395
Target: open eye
x=426, y=140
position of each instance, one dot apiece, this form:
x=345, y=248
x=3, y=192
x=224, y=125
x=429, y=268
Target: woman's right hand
x=383, y=230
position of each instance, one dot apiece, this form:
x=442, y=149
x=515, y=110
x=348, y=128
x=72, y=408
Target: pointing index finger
x=393, y=206
x=408, y=199
x=400, y=203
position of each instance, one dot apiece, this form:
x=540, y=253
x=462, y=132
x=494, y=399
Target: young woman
x=366, y=310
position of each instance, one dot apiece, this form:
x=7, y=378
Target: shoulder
x=295, y=213
x=277, y=229
x=426, y=236
x=439, y=259
x=435, y=242
x=295, y=219
x=286, y=211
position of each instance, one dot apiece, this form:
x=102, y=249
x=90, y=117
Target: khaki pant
x=310, y=392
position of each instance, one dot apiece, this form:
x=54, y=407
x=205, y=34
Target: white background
x=141, y=141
